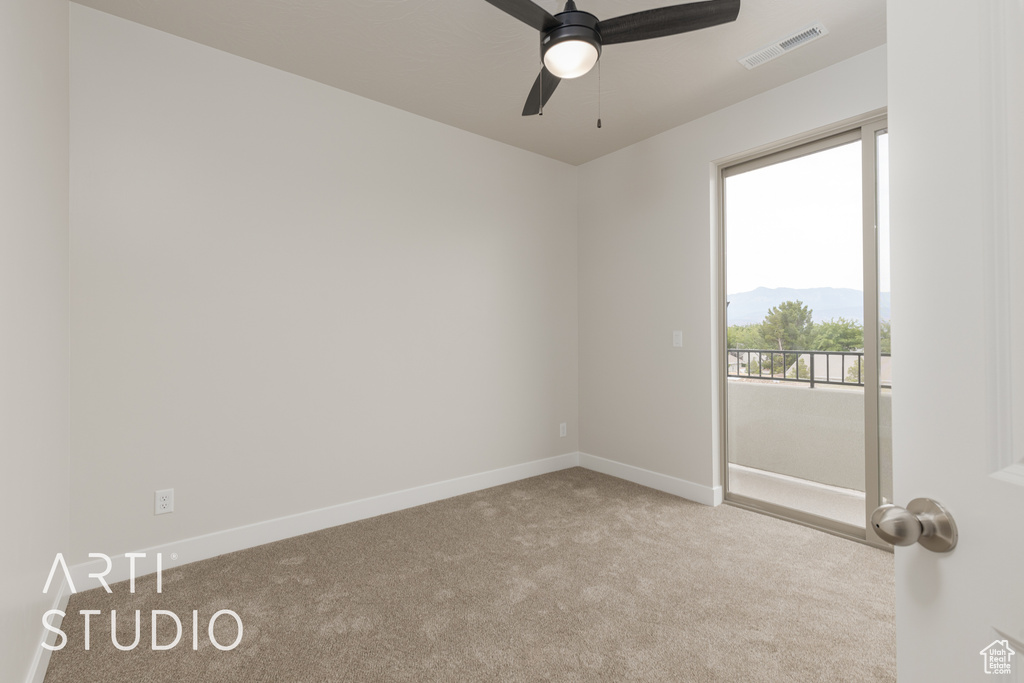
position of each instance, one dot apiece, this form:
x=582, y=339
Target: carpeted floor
x=571, y=576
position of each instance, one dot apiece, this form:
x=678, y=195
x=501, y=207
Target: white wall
x=286, y=297
x=767, y=431
x=33, y=317
x=646, y=268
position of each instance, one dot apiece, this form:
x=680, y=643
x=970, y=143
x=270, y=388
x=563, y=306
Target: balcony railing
x=811, y=367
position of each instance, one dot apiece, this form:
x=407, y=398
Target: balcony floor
x=844, y=505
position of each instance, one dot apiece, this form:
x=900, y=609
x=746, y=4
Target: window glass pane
x=884, y=322
x=794, y=264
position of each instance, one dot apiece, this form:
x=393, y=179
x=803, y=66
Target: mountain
x=825, y=303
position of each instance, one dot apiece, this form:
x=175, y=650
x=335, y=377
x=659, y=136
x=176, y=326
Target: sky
x=798, y=223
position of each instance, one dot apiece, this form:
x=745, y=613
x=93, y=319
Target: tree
x=745, y=337
x=787, y=326
x=886, y=341
x=799, y=369
x=855, y=373
x=838, y=335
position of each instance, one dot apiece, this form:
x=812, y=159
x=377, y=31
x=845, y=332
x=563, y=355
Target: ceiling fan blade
x=547, y=85
x=667, y=21
x=528, y=13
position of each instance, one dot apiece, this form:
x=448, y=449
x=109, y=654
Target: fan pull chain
x=599, y=93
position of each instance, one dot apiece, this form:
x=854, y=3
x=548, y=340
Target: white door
x=956, y=74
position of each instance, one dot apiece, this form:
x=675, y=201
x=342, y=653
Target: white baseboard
x=239, y=538
x=708, y=495
x=718, y=494
x=41, y=660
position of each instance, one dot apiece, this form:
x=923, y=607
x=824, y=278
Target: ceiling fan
x=571, y=41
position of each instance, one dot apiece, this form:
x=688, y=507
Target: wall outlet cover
x=163, y=502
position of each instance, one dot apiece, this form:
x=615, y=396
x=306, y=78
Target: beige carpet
x=572, y=576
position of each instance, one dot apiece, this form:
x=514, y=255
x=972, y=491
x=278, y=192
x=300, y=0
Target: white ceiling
x=467, y=64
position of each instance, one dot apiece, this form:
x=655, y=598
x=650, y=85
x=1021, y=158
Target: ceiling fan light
x=571, y=58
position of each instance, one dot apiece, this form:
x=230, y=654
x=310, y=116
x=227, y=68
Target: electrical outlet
x=164, y=502
x=561, y=429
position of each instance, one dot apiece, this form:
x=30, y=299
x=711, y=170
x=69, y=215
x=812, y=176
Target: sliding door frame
x=864, y=128
x=872, y=332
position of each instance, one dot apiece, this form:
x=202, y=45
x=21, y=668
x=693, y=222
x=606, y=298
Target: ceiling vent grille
x=787, y=44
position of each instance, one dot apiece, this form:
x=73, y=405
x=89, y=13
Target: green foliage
x=855, y=370
x=778, y=364
x=787, y=326
x=799, y=370
x=745, y=337
x=886, y=333
x=742, y=363
x=838, y=335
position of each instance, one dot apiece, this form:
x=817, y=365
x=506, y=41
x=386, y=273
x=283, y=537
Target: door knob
x=923, y=521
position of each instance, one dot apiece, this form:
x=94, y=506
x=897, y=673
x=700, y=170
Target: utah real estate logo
x=998, y=657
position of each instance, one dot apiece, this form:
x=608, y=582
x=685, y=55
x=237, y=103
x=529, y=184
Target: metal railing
x=793, y=367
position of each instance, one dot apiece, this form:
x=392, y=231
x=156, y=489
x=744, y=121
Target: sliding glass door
x=807, y=328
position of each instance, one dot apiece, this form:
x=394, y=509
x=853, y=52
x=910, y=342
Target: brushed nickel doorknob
x=923, y=521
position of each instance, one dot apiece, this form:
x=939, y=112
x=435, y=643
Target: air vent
x=787, y=44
